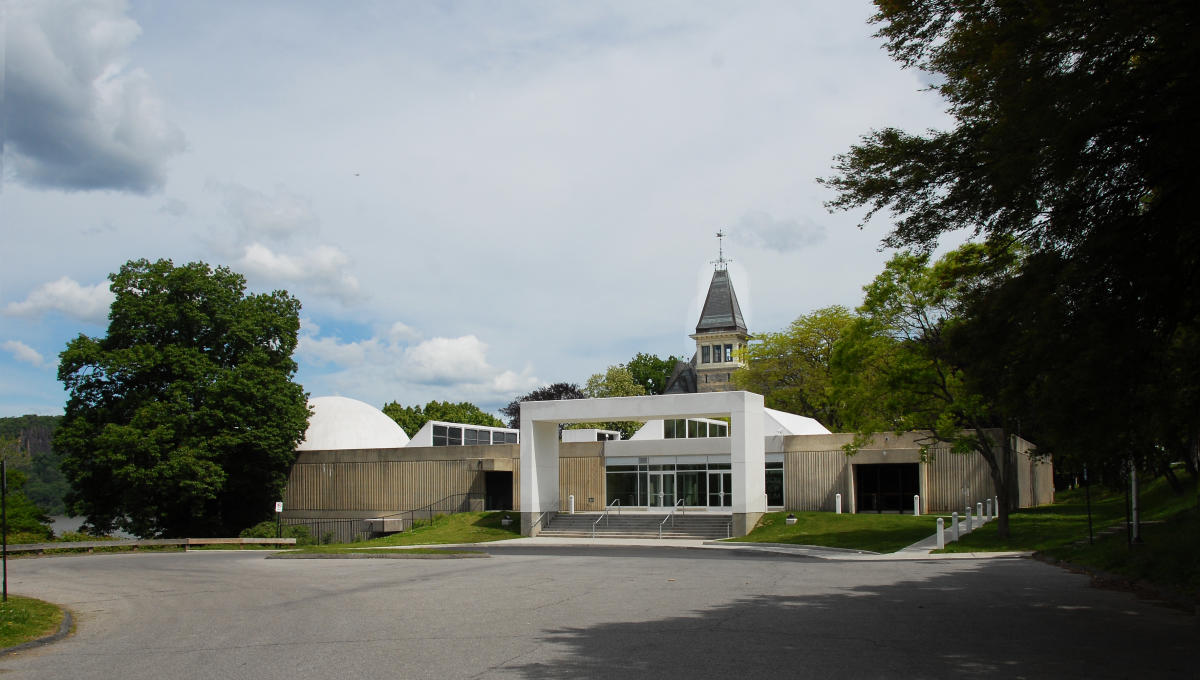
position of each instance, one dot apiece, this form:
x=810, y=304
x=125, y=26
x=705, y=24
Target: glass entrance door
x=720, y=489
x=662, y=489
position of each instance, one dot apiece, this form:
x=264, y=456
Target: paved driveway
x=531, y=612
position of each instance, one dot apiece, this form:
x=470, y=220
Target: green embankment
x=1167, y=556
x=872, y=532
x=463, y=527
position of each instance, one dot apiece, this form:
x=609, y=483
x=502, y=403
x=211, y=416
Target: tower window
x=728, y=353
x=704, y=354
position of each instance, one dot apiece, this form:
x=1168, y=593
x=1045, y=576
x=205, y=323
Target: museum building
x=702, y=448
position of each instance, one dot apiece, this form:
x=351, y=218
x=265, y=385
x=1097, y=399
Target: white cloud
x=447, y=361
x=77, y=116
x=68, y=297
x=277, y=216
x=758, y=229
x=322, y=268
x=383, y=369
x=402, y=333
x=23, y=352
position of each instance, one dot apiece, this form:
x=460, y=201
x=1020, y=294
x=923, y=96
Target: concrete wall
x=372, y=482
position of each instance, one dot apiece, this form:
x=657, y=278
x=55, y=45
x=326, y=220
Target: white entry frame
x=539, y=445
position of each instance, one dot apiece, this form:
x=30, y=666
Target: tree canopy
x=1071, y=133
x=895, y=369
x=559, y=390
x=793, y=369
x=183, y=419
x=651, y=372
x=412, y=418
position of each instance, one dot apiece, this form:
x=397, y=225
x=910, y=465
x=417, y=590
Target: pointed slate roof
x=721, y=311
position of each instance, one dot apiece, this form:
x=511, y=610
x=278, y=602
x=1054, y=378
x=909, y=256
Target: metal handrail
x=671, y=516
x=604, y=515
x=429, y=509
x=538, y=520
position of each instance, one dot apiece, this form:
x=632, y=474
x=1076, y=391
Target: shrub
x=267, y=529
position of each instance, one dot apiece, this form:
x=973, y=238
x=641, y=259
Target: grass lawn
x=876, y=533
x=375, y=552
x=463, y=527
x=1168, y=556
x=23, y=619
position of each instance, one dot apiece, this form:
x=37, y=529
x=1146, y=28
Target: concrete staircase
x=697, y=525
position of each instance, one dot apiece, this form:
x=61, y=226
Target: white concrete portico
x=539, y=480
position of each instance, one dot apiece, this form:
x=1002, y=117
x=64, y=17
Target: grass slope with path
x=1167, y=556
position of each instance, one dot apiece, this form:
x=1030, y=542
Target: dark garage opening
x=886, y=487
x=497, y=490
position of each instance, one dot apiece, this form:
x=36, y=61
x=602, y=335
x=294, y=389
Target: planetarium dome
x=338, y=423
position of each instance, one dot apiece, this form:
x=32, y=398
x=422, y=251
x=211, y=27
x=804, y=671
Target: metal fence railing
x=325, y=530
x=459, y=502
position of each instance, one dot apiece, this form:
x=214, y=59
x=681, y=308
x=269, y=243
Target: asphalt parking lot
x=591, y=611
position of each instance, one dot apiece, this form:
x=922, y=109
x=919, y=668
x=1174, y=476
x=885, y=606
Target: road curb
x=64, y=629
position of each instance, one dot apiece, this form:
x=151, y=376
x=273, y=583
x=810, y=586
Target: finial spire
x=721, y=263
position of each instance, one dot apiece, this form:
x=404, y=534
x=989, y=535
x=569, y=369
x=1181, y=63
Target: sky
x=469, y=199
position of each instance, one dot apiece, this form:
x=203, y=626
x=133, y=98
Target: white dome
x=338, y=423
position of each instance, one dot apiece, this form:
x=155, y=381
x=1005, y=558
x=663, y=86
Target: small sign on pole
x=278, y=519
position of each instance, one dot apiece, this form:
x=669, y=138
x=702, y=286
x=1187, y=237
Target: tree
x=793, y=369
x=413, y=418
x=23, y=515
x=1071, y=133
x=616, y=381
x=651, y=372
x=183, y=419
x=45, y=484
x=560, y=390
x=896, y=371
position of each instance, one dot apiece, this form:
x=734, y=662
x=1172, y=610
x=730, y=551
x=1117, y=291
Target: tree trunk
x=998, y=460
x=1169, y=475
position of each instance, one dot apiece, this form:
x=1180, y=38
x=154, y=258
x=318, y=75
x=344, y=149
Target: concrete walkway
x=917, y=551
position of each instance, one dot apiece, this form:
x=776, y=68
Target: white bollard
x=997, y=505
x=990, y=516
x=837, y=504
x=941, y=533
x=969, y=519
x=916, y=505
x=954, y=524
x=571, y=504
x=979, y=512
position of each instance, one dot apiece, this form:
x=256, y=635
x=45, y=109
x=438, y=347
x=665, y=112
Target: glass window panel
x=439, y=430
x=774, y=486
x=623, y=487
x=704, y=354
x=621, y=468
x=728, y=352
x=454, y=436
x=668, y=429
x=691, y=428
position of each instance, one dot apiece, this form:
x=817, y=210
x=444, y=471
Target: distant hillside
x=46, y=484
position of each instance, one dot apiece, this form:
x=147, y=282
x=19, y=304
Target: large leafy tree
x=895, y=369
x=559, y=390
x=615, y=381
x=412, y=418
x=1071, y=132
x=793, y=369
x=651, y=372
x=184, y=418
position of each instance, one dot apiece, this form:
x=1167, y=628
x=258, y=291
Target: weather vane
x=721, y=262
